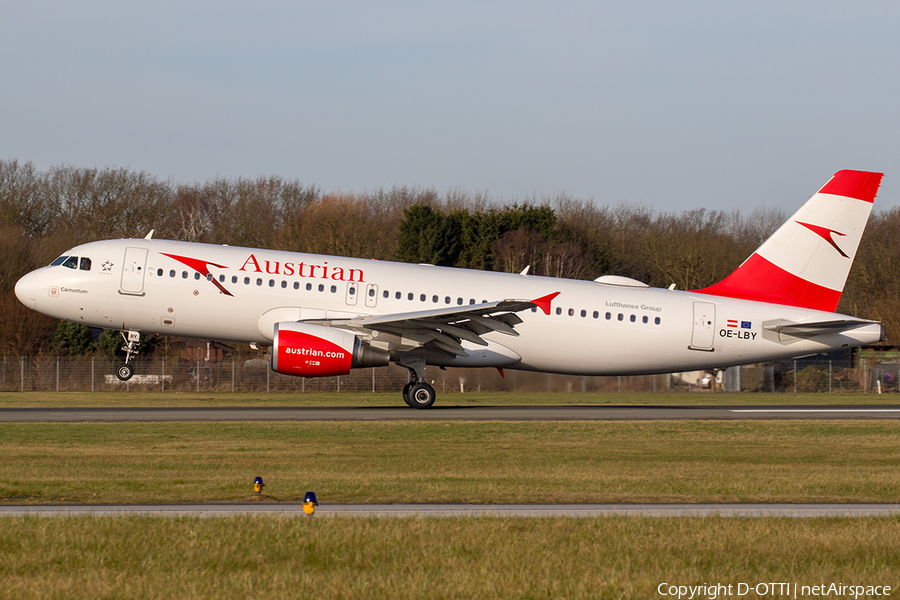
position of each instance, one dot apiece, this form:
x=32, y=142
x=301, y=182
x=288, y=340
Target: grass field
x=479, y=462
x=274, y=558
x=491, y=462
x=141, y=398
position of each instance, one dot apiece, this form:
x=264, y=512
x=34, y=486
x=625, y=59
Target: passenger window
x=385, y=294
x=633, y=318
x=271, y=283
x=333, y=289
x=558, y=310
x=172, y=273
x=571, y=312
x=308, y=287
x=321, y=288
x=434, y=298
x=234, y=279
x=596, y=315
x=645, y=319
x=621, y=317
x=196, y=275
x=372, y=293
x=459, y=301
x=283, y=284
x=246, y=281
x=296, y=285
x=184, y=274
x=159, y=272
x=422, y=298
x=258, y=281
x=656, y=320
x=409, y=296
x=583, y=313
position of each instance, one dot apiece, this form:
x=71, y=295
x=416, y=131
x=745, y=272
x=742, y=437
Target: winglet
x=544, y=302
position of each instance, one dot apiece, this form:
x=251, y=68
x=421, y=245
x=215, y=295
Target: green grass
x=492, y=462
x=273, y=558
x=142, y=398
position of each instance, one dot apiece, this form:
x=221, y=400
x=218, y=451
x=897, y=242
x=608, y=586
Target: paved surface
x=460, y=510
x=456, y=413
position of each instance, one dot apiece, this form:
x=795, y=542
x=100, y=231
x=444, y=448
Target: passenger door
x=133, y=268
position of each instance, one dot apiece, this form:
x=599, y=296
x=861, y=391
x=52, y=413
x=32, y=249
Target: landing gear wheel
x=406, y=389
x=124, y=372
x=421, y=395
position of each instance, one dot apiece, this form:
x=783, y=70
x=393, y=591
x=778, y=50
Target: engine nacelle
x=315, y=351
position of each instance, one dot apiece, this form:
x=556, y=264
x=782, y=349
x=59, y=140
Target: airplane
x=325, y=315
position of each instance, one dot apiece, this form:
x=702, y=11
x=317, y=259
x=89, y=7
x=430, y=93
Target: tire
x=124, y=372
x=406, y=389
x=421, y=395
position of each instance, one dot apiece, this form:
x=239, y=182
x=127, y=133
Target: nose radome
x=26, y=290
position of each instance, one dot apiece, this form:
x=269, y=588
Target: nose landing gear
x=125, y=371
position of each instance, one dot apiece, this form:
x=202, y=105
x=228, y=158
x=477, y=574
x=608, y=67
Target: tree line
x=45, y=212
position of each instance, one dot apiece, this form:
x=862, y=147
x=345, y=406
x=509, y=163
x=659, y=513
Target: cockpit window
x=72, y=262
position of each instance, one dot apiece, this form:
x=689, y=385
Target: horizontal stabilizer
x=807, y=330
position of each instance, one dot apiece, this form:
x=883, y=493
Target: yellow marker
x=309, y=503
x=258, y=485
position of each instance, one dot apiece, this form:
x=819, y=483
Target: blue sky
x=673, y=105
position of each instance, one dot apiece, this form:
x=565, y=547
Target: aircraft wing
x=444, y=328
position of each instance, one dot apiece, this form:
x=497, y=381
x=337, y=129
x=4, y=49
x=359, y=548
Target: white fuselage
x=237, y=294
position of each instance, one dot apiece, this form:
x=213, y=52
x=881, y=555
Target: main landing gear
x=125, y=371
x=418, y=393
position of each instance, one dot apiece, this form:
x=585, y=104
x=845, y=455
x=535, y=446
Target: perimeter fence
x=66, y=374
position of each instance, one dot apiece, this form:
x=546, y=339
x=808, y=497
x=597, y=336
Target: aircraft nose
x=26, y=290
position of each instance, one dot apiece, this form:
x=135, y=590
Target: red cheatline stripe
x=760, y=280
x=861, y=185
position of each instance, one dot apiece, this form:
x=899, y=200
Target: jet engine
x=310, y=350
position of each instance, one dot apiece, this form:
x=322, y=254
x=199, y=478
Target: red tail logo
x=825, y=234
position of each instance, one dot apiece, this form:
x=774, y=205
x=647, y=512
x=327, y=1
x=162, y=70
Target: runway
x=457, y=510
x=451, y=413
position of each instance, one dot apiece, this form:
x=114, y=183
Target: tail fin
x=806, y=262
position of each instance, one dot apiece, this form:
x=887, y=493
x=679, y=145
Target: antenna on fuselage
x=149, y=236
